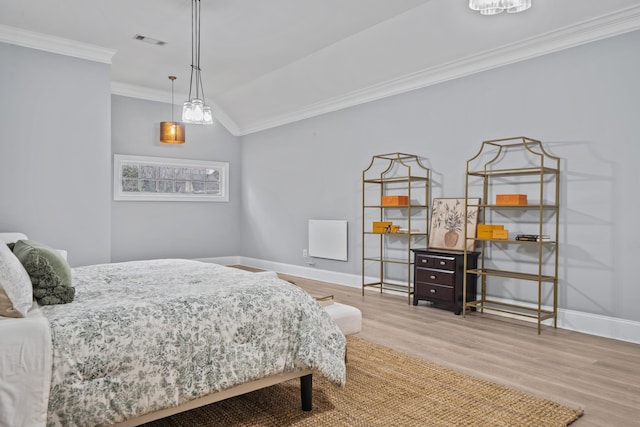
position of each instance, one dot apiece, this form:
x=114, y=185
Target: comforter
x=146, y=335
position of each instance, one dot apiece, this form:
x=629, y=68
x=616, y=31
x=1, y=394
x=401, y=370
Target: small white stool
x=348, y=318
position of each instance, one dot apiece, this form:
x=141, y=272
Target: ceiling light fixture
x=493, y=7
x=195, y=110
x=172, y=132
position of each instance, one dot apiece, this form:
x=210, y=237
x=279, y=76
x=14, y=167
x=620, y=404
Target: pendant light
x=171, y=132
x=195, y=110
x=493, y=7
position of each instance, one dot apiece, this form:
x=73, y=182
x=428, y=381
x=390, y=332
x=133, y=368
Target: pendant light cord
x=195, y=50
x=172, y=79
x=193, y=2
x=199, y=86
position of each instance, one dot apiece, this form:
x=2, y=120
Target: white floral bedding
x=146, y=335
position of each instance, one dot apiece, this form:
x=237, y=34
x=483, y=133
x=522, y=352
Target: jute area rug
x=384, y=388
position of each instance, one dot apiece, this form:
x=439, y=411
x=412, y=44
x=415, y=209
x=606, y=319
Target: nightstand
x=438, y=278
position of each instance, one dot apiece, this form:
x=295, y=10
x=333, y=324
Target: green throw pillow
x=49, y=272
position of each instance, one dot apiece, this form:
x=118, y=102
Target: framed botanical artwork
x=163, y=179
x=447, y=224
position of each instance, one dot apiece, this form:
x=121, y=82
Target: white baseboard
x=227, y=260
x=592, y=324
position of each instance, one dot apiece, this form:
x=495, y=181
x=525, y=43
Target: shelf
x=512, y=275
x=389, y=256
x=397, y=206
x=389, y=260
x=396, y=287
x=530, y=206
x=396, y=179
x=515, y=309
x=423, y=234
x=514, y=172
x=518, y=242
x=495, y=160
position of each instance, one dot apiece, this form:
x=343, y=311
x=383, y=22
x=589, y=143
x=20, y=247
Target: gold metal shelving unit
x=528, y=262
x=387, y=260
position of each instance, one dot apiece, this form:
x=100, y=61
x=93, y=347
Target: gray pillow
x=49, y=272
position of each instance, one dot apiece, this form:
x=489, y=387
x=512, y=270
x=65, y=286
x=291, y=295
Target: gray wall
x=583, y=103
x=55, y=164
x=146, y=230
x=54, y=156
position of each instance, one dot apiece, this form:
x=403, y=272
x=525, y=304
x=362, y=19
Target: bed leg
x=306, y=391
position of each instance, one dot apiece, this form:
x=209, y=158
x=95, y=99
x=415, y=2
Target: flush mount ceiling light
x=171, y=132
x=195, y=110
x=493, y=7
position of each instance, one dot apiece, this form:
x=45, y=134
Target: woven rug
x=384, y=388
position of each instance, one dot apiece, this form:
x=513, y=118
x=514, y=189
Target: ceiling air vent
x=149, y=40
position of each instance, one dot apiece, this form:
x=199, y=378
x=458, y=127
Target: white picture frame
x=143, y=178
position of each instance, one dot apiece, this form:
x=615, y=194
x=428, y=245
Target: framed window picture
x=447, y=224
x=162, y=179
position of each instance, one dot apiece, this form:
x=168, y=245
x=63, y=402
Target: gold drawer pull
x=433, y=291
x=433, y=277
x=424, y=260
x=442, y=263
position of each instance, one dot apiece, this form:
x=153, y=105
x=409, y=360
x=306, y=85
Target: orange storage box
x=485, y=231
x=395, y=200
x=511, y=199
x=500, y=234
x=382, y=226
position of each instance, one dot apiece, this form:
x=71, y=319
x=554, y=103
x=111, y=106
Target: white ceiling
x=270, y=62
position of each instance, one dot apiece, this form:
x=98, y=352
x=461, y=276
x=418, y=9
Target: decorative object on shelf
x=533, y=238
x=493, y=7
x=395, y=200
x=395, y=211
x=161, y=179
x=448, y=224
x=518, y=163
x=172, y=132
x=511, y=199
x=195, y=110
x=490, y=231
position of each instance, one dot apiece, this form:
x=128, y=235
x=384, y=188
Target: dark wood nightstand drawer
x=434, y=261
x=433, y=292
x=431, y=275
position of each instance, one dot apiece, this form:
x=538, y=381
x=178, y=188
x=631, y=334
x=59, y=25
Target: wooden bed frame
x=306, y=383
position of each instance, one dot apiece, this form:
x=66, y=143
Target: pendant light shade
x=171, y=132
x=195, y=110
x=493, y=7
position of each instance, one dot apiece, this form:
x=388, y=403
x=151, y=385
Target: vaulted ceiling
x=270, y=62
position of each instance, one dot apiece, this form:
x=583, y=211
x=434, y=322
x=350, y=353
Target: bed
x=145, y=339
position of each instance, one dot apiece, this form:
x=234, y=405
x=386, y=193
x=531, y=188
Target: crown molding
x=606, y=26
x=133, y=91
x=33, y=40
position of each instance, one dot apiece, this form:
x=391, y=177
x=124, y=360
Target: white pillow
x=16, y=291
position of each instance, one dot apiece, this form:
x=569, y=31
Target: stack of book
x=533, y=237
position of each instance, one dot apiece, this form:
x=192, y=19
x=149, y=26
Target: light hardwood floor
x=599, y=375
